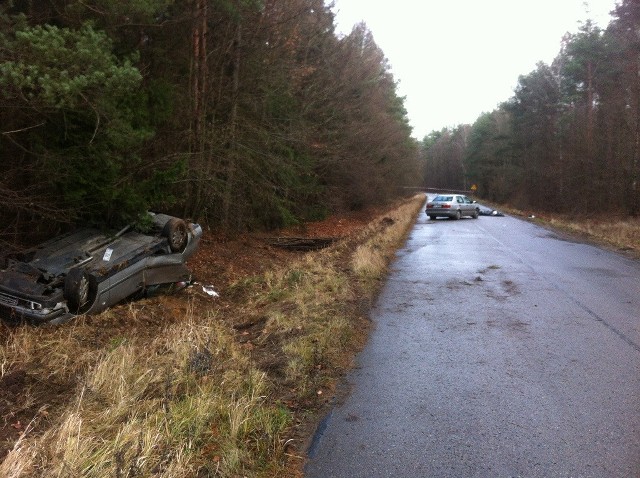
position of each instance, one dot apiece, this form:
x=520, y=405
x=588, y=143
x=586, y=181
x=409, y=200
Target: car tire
x=475, y=214
x=177, y=234
x=79, y=291
x=433, y=218
x=457, y=216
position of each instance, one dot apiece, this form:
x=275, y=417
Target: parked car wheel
x=177, y=234
x=79, y=290
x=458, y=215
x=476, y=214
x=433, y=218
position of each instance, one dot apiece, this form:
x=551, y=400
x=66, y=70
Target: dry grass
x=193, y=399
x=371, y=258
x=187, y=403
x=620, y=233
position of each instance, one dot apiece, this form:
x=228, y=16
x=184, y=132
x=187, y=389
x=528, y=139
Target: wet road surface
x=499, y=350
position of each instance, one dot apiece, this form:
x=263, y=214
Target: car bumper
x=441, y=212
x=23, y=314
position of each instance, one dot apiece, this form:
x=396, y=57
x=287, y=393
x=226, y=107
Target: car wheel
x=176, y=232
x=79, y=291
x=433, y=218
x=475, y=214
x=458, y=215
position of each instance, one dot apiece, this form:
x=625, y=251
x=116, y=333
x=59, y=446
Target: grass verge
x=622, y=233
x=228, y=389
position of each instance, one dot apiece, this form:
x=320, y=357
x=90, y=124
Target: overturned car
x=88, y=271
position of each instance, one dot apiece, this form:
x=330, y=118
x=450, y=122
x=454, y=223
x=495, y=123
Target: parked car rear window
x=443, y=198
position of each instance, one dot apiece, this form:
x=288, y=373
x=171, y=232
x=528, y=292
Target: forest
x=241, y=114
x=568, y=141
x=255, y=114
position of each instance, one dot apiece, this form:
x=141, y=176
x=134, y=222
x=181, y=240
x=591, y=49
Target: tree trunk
x=198, y=86
x=233, y=121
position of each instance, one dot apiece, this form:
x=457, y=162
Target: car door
x=468, y=206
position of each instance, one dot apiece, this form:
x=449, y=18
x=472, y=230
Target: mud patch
x=511, y=326
x=25, y=405
x=505, y=291
x=458, y=285
x=492, y=267
x=510, y=287
x=499, y=291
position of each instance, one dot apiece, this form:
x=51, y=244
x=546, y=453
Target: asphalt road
x=500, y=349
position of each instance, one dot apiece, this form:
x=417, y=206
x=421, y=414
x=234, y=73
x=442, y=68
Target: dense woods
x=237, y=113
x=569, y=138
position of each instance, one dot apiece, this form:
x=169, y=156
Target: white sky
x=455, y=59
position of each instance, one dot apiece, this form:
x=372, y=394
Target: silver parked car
x=87, y=271
x=453, y=206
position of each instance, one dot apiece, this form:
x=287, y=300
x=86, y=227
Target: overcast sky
x=457, y=59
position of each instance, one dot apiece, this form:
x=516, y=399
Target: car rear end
x=441, y=206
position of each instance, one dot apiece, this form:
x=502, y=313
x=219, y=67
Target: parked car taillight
x=446, y=206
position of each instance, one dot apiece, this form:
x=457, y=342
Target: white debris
x=208, y=289
x=107, y=254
